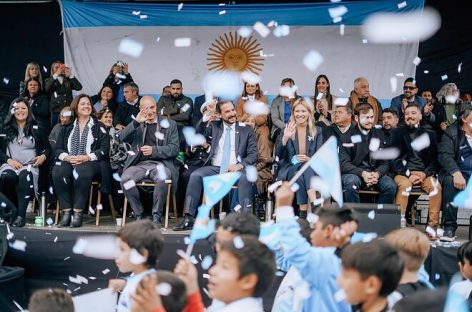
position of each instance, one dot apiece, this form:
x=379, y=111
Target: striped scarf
x=79, y=142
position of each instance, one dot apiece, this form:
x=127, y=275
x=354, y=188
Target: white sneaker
x=440, y=232
x=402, y=222
x=431, y=233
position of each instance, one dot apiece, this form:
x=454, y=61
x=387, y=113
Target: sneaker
x=448, y=236
x=402, y=222
x=431, y=231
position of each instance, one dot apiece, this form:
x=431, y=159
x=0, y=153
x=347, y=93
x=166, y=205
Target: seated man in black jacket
x=342, y=124
x=129, y=107
x=357, y=167
x=417, y=167
x=455, y=158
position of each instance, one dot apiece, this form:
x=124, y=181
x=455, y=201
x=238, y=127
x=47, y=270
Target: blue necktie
x=226, y=151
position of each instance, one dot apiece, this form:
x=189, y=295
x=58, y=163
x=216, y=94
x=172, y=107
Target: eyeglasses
x=408, y=88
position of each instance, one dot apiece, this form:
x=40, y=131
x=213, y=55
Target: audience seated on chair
x=361, y=94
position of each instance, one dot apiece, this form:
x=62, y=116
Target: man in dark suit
x=129, y=107
x=342, y=124
x=417, y=167
x=197, y=113
x=357, y=167
x=231, y=149
x=155, y=144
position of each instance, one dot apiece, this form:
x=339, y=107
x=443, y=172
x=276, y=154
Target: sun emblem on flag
x=232, y=52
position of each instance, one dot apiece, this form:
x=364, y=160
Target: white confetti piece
x=386, y=153
x=427, y=72
x=116, y=177
x=103, y=130
x=261, y=29
x=364, y=41
x=237, y=208
x=222, y=12
x=417, y=61
x=136, y=258
x=374, y=144
x=67, y=114
x=18, y=306
x=444, y=77
x=356, y=138
x=401, y=27
x=281, y=31
x=223, y=84
x=312, y=60
x=143, y=16
x=312, y=218
x=341, y=101
x=244, y=31
x=407, y=173
x=185, y=107
x=206, y=276
x=342, y=29
x=348, y=144
x=163, y=289
x=401, y=5
x=451, y=99
x=96, y=246
x=295, y=187
x=420, y=142
x=186, y=240
x=131, y=47
x=6, y=80
x=66, y=258
x=369, y=237
x=193, y=259
x=393, y=84
x=182, y=42
x=159, y=135
x=437, y=276
x=337, y=11
x=128, y=185
x=75, y=174
x=337, y=19
x=340, y=295
x=371, y=214
x=256, y=108
x=180, y=6
x=136, y=13
x=250, y=77
x=45, y=69
x=435, y=184
x=288, y=91
x=106, y=271
x=207, y=262
x=380, y=206
x=99, y=207
x=431, y=231
x=161, y=172
x=158, y=39
x=238, y=242
x=10, y=235
x=18, y=245
x=192, y=138
x=459, y=67
x=251, y=173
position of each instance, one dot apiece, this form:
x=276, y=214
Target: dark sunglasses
x=408, y=88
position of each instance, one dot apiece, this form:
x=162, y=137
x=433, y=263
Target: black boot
x=260, y=207
x=78, y=218
x=65, y=220
x=186, y=224
x=302, y=214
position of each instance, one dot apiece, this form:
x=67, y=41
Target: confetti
x=250, y=77
x=96, y=246
x=451, y=99
x=380, y=206
x=341, y=29
x=237, y=207
x=288, y=91
x=207, y=262
x=136, y=258
x=401, y=5
x=10, y=235
x=136, y=13
x=163, y=289
x=401, y=27
x=244, y=31
x=206, y=276
x=371, y=214
x=99, y=207
x=45, y=69
x=337, y=11
x=337, y=19
x=364, y=41
x=66, y=258
x=356, y=138
x=420, y=142
x=55, y=239
x=6, y=80
x=182, y=42
x=374, y=144
x=193, y=259
x=393, y=84
x=281, y=31
x=295, y=187
x=416, y=61
x=341, y=101
x=116, y=177
x=437, y=276
x=128, y=185
x=180, y=6
x=340, y=295
x=223, y=84
x=312, y=60
x=131, y=47
x=261, y=29
x=369, y=237
x=222, y=12
x=75, y=174
x=386, y=153
x=143, y=16
x=161, y=172
x=251, y=173
x=18, y=245
x=106, y=271
x=444, y=77
x=256, y=108
x=192, y=138
x=274, y=186
x=238, y=242
x=185, y=107
x=427, y=72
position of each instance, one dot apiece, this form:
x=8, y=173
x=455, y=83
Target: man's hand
x=147, y=150
x=342, y=234
x=443, y=126
x=188, y=273
x=302, y=158
x=146, y=298
x=458, y=180
x=119, y=127
x=284, y=196
x=14, y=163
x=141, y=117
x=235, y=168
x=428, y=108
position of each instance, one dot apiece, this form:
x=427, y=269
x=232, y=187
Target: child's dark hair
x=375, y=258
x=141, y=235
x=465, y=252
x=335, y=216
x=242, y=224
x=253, y=258
x=51, y=300
x=176, y=300
x=305, y=229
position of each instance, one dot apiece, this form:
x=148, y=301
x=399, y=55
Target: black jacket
x=125, y=111
x=60, y=95
x=351, y=157
x=168, y=106
x=110, y=80
x=449, y=149
x=100, y=147
x=401, y=139
x=40, y=110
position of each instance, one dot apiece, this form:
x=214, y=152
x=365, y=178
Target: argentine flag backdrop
x=93, y=32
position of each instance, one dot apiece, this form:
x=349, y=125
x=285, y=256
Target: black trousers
x=449, y=215
x=72, y=189
x=22, y=187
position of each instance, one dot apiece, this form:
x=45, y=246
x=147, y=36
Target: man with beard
x=409, y=96
x=416, y=166
x=342, y=124
x=232, y=147
x=357, y=167
x=389, y=122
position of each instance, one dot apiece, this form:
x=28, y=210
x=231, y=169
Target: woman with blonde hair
x=300, y=140
x=32, y=71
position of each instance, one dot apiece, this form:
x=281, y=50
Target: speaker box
x=377, y=218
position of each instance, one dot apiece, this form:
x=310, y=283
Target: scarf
x=79, y=142
x=371, y=100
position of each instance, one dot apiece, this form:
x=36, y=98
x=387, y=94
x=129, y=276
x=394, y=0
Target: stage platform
x=49, y=261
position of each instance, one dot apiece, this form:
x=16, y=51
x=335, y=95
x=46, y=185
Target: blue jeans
x=352, y=184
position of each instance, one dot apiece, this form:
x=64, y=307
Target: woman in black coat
x=82, y=152
x=23, y=149
x=39, y=103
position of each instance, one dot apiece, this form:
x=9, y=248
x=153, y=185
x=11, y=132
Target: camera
x=62, y=66
x=120, y=63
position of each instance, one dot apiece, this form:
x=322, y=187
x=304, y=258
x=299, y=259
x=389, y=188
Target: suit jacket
x=125, y=111
x=351, y=157
x=165, y=151
x=286, y=152
x=401, y=139
x=246, y=148
x=449, y=149
x=61, y=94
x=197, y=114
